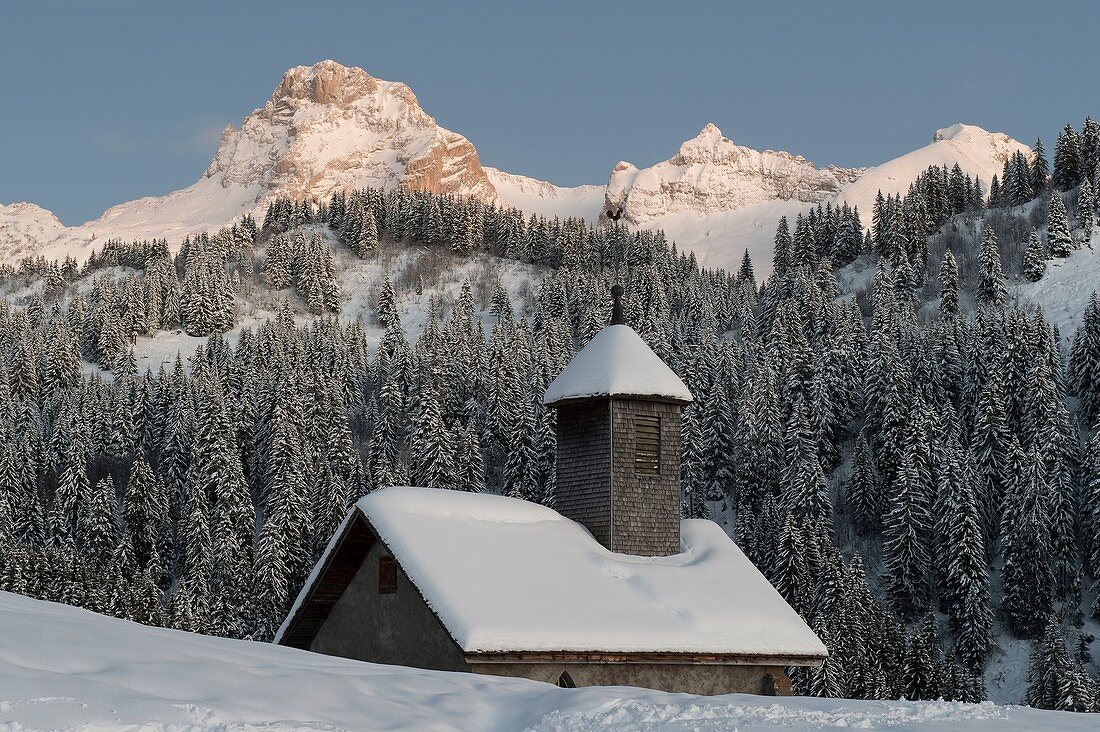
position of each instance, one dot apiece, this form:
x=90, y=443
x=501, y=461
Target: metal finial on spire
x=617, y=305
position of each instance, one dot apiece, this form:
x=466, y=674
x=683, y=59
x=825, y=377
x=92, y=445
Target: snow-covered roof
x=505, y=575
x=616, y=362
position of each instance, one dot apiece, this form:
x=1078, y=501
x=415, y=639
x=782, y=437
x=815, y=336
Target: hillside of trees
x=915, y=464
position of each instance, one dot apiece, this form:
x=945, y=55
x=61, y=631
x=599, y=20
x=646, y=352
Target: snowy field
x=62, y=668
x=1066, y=287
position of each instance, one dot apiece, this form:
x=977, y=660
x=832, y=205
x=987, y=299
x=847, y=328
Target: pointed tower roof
x=617, y=363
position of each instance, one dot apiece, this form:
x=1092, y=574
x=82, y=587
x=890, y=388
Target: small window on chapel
x=387, y=575
x=647, y=444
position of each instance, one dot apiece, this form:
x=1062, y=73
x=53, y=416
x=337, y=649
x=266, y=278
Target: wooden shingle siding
x=583, y=490
x=645, y=506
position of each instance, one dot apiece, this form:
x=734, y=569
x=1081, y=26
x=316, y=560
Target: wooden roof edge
x=620, y=397
x=671, y=657
x=288, y=630
x=292, y=638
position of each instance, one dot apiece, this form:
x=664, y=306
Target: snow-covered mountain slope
x=23, y=226
x=717, y=198
x=62, y=668
x=546, y=199
x=1066, y=287
x=977, y=151
x=720, y=239
x=711, y=174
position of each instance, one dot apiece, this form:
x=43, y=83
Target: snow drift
x=62, y=668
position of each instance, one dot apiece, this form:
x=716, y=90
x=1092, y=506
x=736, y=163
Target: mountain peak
x=709, y=143
x=325, y=82
x=331, y=83
x=330, y=126
x=970, y=134
x=711, y=173
x=710, y=131
x=963, y=132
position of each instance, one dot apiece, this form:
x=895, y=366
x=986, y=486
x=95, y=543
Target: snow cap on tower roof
x=617, y=363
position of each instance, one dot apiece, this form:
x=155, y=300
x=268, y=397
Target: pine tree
x=949, y=286
x=745, y=273
x=470, y=467
x=1067, y=161
x=1055, y=681
x=366, y=241
x=805, y=492
x=992, y=291
x=1058, y=239
x=781, y=251
x=861, y=490
x=1040, y=171
x=826, y=679
x=790, y=565
x=271, y=574
x=1088, y=149
x=1026, y=578
x=1086, y=205
x=1084, y=362
x=146, y=516
x=906, y=527
x=963, y=555
x=1090, y=502
x=1035, y=263
x=277, y=268
x=99, y=531
x=433, y=463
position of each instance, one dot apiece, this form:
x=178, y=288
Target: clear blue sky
x=110, y=100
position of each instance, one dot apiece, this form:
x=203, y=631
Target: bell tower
x=618, y=428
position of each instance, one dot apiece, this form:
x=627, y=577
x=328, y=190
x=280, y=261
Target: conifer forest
x=904, y=448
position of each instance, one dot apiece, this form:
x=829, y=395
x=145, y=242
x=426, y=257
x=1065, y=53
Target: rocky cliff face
x=711, y=173
x=326, y=127
x=329, y=126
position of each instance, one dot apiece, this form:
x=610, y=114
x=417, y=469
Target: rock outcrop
x=711, y=173
x=329, y=126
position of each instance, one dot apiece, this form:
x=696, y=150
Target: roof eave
x=634, y=657
x=636, y=397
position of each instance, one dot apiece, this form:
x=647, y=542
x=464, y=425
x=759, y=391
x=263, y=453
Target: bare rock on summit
x=330, y=126
x=711, y=173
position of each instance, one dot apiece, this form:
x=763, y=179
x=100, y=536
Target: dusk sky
x=109, y=101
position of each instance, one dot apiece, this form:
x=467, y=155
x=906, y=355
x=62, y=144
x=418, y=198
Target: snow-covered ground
x=361, y=283
x=63, y=668
x=1066, y=287
x=534, y=196
x=720, y=239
